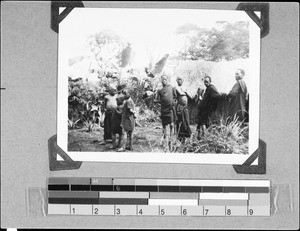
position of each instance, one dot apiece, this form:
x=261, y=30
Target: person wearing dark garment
x=183, y=129
x=166, y=97
x=198, y=100
x=128, y=121
x=117, y=119
x=208, y=105
x=110, y=103
x=238, y=97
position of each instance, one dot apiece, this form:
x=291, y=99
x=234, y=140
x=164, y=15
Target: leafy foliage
x=226, y=41
x=111, y=51
x=85, y=103
x=72, y=124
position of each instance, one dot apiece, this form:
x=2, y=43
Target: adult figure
x=208, y=104
x=165, y=97
x=183, y=129
x=110, y=103
x=238, y=97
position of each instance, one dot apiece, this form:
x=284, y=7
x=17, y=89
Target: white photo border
x=253, y=88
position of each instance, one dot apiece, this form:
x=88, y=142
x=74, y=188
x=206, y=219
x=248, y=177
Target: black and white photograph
x=158, y=85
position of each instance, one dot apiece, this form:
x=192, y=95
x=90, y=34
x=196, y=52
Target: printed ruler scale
x=158, y=197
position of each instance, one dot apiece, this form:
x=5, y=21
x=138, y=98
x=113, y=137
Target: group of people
x=119, y=119
x=120, y=110
x=174, y=105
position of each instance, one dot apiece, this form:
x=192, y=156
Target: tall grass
x=222, y=138
x=225, y=137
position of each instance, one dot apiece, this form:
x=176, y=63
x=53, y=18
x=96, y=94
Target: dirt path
x=145, y=139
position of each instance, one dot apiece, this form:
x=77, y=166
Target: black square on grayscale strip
x=58, y=187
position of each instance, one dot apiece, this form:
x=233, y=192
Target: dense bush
x=84, y=104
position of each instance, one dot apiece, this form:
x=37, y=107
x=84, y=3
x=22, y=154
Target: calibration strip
x=158, y=197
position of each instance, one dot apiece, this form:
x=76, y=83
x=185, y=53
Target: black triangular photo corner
x=53, y=148
x=263, y=21
x=247, y=168
x=54, y=164
x=56, y=18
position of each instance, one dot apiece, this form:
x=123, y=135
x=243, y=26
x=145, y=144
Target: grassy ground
x=148, y=138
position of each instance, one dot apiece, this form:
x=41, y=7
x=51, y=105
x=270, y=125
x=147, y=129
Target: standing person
x=198, y=99
x=110, y=103
x=165, y=97
x=238, y=97
x=183, y=119
x=117, y=119
x=128, y=121
x=208, y=105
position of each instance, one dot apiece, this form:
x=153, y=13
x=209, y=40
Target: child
x=198, y=99
x=117, y=119
x=128, y=120
x=110, y=103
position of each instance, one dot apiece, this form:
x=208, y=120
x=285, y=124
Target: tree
x=112, y=52
x=225, y=41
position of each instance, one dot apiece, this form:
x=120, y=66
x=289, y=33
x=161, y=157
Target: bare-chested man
x=110, y=103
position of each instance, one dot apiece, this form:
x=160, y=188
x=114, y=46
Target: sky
x=150, y=31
